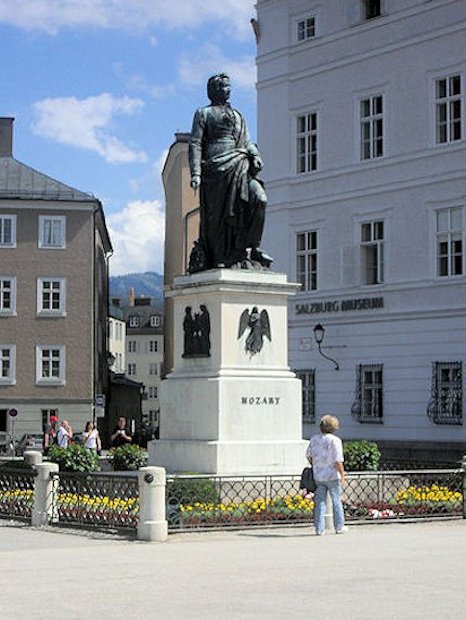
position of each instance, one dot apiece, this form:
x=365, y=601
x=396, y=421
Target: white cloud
x=52, y=15
x=138, y=82
x=194, y=68
x=85, y=123
x=137, y=235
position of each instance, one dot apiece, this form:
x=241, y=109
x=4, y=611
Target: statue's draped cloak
x=220, y=152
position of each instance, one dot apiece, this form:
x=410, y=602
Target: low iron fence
x=112, y=500
x=16, y=493
x=99, y=500
x=208, y=502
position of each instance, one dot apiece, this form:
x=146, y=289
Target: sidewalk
x=384, y=571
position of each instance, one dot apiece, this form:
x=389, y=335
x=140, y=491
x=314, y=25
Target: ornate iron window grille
x=308, y=387
x=368, y=396
x=446, y=403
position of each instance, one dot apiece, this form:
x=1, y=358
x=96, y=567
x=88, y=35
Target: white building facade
x=361, y=125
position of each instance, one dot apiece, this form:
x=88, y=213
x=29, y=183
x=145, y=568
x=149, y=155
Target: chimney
x=131, y=296
x=6, y=137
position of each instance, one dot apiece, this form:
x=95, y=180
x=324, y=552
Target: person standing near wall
x=325, y=453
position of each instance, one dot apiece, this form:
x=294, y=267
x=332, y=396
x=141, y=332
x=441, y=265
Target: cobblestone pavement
x=383, y=571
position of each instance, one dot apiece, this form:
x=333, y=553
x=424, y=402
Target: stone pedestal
x=232, y=411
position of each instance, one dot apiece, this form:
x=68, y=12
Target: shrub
x=191, y=491
x=74, y=458
x=361, y=455
x=128, y=458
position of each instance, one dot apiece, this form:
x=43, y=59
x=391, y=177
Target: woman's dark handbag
x=307, y=480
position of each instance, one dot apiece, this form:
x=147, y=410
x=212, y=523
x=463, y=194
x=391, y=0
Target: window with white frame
x=134, y=321
x=446, y=403
x=153, y=368
x=132, y=346
x=52, y=231
x=368, y=402
x=372, y=252
x=50, y=364
x=306, y=28
x=7, y=231
x=306, y=143
x=7, y=363
x=7, y=295
x=153, y=346
x=448, y=109
x=308, y=394
x=371, y=119
x=306, y=260
x=152, y=392
x=154, y=321
x=449, y=223
x=51, y=296
x=132, y=370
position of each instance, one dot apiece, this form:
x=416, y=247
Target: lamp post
x=319, y=333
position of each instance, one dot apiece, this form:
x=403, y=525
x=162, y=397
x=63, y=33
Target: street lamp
x=319, y=333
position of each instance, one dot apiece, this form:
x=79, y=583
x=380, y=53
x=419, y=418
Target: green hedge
x=361, y=455
x=128, y=458
x=74, y=458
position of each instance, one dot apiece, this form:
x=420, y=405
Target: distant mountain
x=149, y=284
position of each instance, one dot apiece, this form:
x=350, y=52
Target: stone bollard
x=33, y=457
x=152, y=525
x=329, y=525
x=45, y=491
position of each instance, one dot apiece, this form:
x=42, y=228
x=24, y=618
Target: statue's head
x=219, y=88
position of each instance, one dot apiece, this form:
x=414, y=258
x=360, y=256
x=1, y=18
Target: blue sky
x=99, y=87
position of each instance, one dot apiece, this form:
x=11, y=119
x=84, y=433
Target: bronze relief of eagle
x=259, y=326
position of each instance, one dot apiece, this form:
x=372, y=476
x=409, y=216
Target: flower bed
x=415, y=501
x=98, y=510
x=292, y=508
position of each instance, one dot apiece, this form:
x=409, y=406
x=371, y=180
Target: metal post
x=153, y=525
x=45, y=492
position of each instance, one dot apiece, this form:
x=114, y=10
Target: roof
x=19, y=181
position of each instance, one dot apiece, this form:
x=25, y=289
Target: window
x=448, y=109
x=52, y=231
x=152, y=392
x=7, y=295
x=372, y=252
x=3, y=419
x=446, y=403
x=51, y=296
x=371, y=118
x=308, y=393
x=8, y=231
x=153, y=369
x=372, y=8
x=7, y=364
x=306, y=260
x=368, y=402
x=155, y=321
x=131, y=370
x=132, y=346
x=449, y=241
x=306, y=29
x=46, y=413
x=50, y=364
x=153, y=346
x=306, y=143
x=134, y=321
